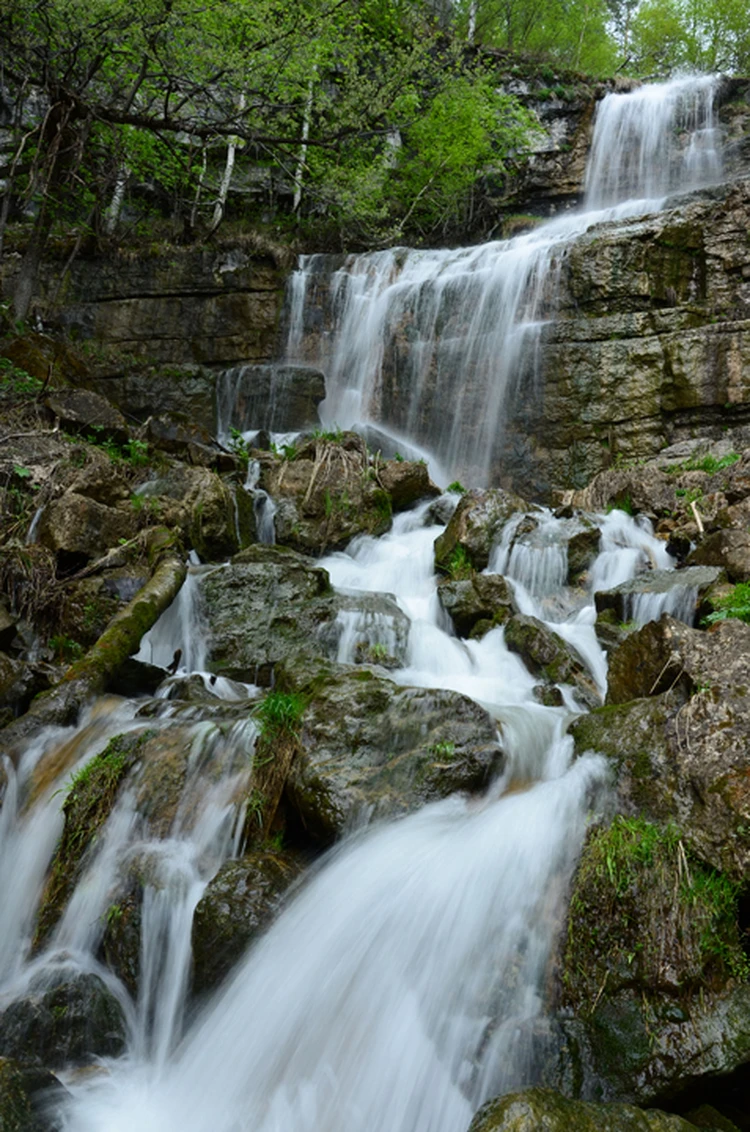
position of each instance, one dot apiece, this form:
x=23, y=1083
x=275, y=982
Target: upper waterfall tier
x=433, y=346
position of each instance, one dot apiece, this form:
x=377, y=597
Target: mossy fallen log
x=93, y=673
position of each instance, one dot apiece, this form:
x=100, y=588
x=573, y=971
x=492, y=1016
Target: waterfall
x=435, y=346
x=404, y=983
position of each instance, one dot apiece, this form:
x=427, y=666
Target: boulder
x=370, y=747
x=477, y=604
x=64, y=1017
x=326, y=492
x=205, y=509
x=648, y=595
x=78, y=525
x=406, y=481
x=583, y=547
x=550, y=657
x=476, y=527
x=726, y=549
x=542, y=1110
x=80, y=410
x=236, y=908
x=262, y=609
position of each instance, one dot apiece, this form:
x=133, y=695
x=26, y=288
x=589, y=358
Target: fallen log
x=92, y=674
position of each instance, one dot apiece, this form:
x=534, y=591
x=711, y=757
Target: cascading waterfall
x=412, y=332
x=404, y=984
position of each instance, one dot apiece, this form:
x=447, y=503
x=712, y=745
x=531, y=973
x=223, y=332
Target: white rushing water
x=404, y=983
x=410, y=332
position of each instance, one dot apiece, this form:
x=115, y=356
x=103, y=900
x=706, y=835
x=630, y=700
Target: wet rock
x=406, y=481
x=262, y=609
x=65, y=1017
x=547, y=655
x=634, y=490
x=477, y=604
x=685, y=588
x=77, y=525
x=20, y=682
x=369, y=628
x=238, y=905
x=583, y=548
x=727, y=549
x=370, y=747
x=101, y=481
x=80, y=410
x=177, y=434
x=29, y=1098
x=326, y=493
x=475, y=527
x=537, y=1109
x=677, y=731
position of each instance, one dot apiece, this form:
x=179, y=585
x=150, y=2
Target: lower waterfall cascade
x=406, y=979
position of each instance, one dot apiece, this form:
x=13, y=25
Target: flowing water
x=411, y=332
x=404, y=984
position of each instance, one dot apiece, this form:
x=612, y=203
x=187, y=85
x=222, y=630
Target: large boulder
x=80, y=410
x=726, y=549
x=542, y=1110
x=64, y=1017
x=406, y=481
x=206, y=510
x=279, y=398
x=475, y=528
x=236, y=908
x=372, y=748
x=30, y=1098
x=78, y=525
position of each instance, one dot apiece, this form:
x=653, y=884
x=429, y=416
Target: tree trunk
x=92, y=674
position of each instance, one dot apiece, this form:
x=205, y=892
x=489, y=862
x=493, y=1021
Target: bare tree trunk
x=472, y=30
x=113, y=210
x=226, y=180
x=303, y=148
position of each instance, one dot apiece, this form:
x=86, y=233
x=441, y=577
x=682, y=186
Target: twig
x=698, y=519
x=35, y=432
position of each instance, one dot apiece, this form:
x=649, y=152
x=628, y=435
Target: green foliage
x=15, y=383
x=280, y=713
x=709, y=464
x=239, y=446
x=698, y=35
x=378, y=652
x=734, y=604
x=65, y=649
x=132, y=452
x=456, y=487
x=442, y=750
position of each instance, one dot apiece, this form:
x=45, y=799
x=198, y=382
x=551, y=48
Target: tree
x=699, y=35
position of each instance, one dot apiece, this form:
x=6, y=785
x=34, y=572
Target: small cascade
x=679, y=602
x=180, y=630
x=408, y=332
x=263, y=506
x=659, y=139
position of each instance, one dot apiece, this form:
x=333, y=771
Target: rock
x=542, y=1110
x=681, y=748
x=475, y=527
x=277, y=398
x=645, y=597
x=101, y=481
x=29, y=1097
x=369, y=628
x=634, y=490
x=8, y=631
x=65, y=1017
x=20, y=682
x=406, y=481
x=80, y=410
x=477, y=604
x=177, y=434
x=263, y=608
x=207, y=512
x=727, y=549
x=326, y=493
x=79, y=526
x=236, y=908
x=371, y=747
x=549, y=656
x=583, y=548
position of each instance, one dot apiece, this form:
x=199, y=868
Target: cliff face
x=651, y=344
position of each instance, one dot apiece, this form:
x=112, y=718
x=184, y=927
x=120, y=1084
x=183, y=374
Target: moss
x=15, y=1108
x=646, y=915
x=89, y=802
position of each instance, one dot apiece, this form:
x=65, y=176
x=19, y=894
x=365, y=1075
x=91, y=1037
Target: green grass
x=456, y=487
x=460, y=564
x=709, y=464
x=280, y=713
x=735, y=604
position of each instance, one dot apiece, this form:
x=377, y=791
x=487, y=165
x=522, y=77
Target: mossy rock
x=549, y=657
x=535, y=1110
x=88, y=804
x=28, y=1098
x=475, y=527
x=236, y=908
